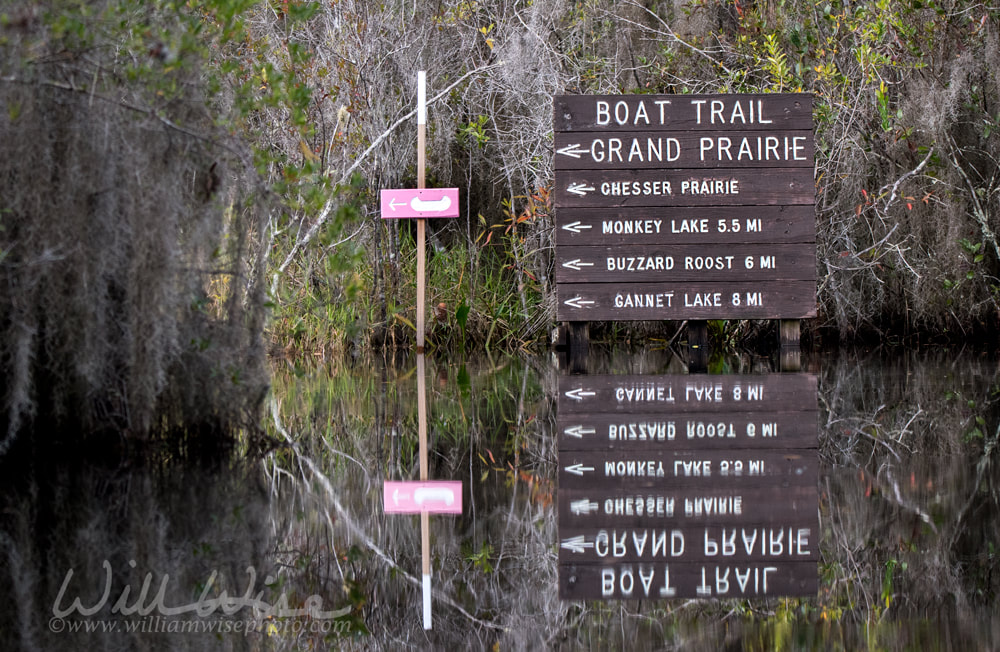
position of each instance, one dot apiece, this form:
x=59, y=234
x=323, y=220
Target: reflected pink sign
x=433, y=496
x=423, y=202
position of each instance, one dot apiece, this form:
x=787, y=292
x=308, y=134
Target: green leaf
x=302, y=12
x=462, y=315
x=464, y=381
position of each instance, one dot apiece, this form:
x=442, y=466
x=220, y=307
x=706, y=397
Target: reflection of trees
x=494, y=572
x=907, y=511
x=178, y=526
x=909, y=507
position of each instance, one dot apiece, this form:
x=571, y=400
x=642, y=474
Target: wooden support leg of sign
x=789, y=351
x=578, y=336
x=697, y=332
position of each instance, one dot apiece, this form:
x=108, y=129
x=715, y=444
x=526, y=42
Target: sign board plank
x=782, y=541
x=685, y=263
x=720, y=186
x=660, y=581
x=636, y=431
x=672, y=149
x=674, y=469
x=689, y=225
x=419, y=202
x=686, y=393
x=665, y=506
x=432, y=496
x=694, y=300
x=767, y=112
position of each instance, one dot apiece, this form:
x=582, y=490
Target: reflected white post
x=425, y=529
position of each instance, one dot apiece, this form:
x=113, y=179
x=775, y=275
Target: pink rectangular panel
x=435, y=497
x=424, y=202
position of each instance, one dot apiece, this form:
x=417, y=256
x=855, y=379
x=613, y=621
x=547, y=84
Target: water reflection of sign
x=434, y=497
x=599, y=508
x=683, y=394
x=691, y=468
x=700, y=430
x=687, y=486
x=713, y=194
x=659, y=580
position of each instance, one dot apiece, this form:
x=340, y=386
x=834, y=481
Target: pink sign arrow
x=435, y=497
x=419, y=202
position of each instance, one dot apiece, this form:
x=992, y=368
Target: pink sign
x=422, y=202
x=435, y=497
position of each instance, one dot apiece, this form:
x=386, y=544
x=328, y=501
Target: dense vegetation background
x=173, y=169
x=906, y=115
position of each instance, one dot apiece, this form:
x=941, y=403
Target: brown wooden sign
x=673, y=175
x=685, y=226
x=784, y=541
x=666, y=506
x=662, y=581
x=636, y=431
x=654, y=301
x=677, y=469
x=687, y=393
x=671, y=188
x=763, y=112
x=663, y=150
x=685, y=263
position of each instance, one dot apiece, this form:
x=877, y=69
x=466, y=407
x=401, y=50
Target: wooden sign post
x=422, y=203
x=684, y=207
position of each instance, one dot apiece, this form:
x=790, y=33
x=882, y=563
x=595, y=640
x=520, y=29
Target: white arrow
x=578, y=302
x=572, y=150
x=577, y=469
x=577, y=264
x=576, y=227
x=393, y=203
x=578, y=394
x=430, y=205
x=579, y=431
x=580, y=189
x=433, y=494
x=577, y=543
x=582, y=506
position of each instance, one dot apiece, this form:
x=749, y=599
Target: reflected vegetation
x=908, y=517
x=89, y=547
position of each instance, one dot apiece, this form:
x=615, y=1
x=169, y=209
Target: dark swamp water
x=291, y=550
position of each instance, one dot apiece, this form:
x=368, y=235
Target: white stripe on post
x=421, y=97
x=427, y=601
